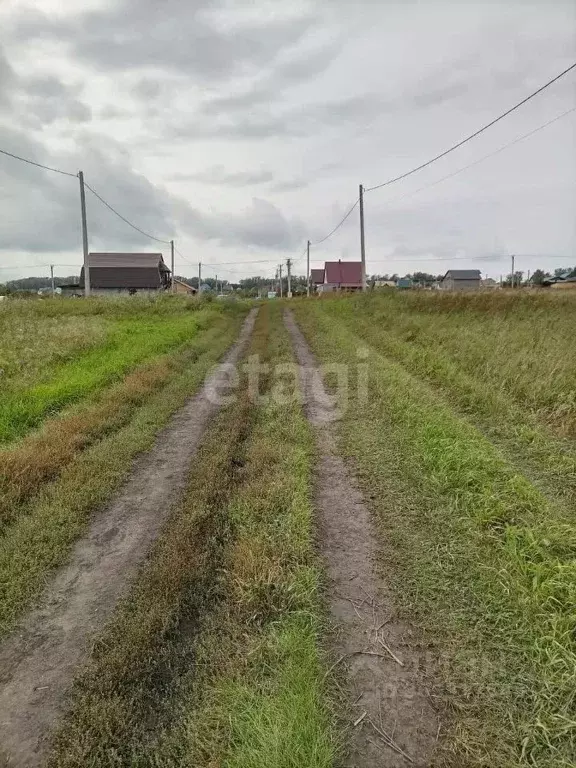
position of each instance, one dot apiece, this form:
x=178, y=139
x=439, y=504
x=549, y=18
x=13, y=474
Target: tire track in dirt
x=396, y=722
x=39, y=660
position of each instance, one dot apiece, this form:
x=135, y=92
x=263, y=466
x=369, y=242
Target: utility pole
x=84, y=235
x=281, y=289
x=52, y=279
x=362, y=240
x=308, y=269
x=172, y=265
x=528, y=279
x=216, y=285
x=289, y=278
x=512, y=281
x=199, y=276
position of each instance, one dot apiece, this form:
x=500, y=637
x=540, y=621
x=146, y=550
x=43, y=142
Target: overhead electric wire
x=473, y=135
x=485, y=157
x=151, y=237
x=184, y=258
x=38, y=165
x=337, y=227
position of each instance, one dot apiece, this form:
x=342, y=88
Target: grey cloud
x=46, y=99
x=289, y=185
x=218, y=175
x=296, y=69
x=41, y=210
x=168, y=36
x=300, y=121
x=262, y=225
x=7, y=79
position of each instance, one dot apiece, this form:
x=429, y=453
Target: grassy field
x=466, y=451
x=217, y=656
x=213, y=659
x=51, y=479
x=49, y=361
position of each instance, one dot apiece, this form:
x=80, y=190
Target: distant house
x=316, y=277
x=341, y=276
x=129, y=273
x=461, y=280
x=182, y=287
x=564, y=284
x=403, y=283
x=384, y=284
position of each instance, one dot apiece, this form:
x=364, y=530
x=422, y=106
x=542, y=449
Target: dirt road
x=396, y=724
x=39, y=660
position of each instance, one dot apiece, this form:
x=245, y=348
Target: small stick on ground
x=392, y=654
x=353, y=653
x=359, y=720
x=388, y=740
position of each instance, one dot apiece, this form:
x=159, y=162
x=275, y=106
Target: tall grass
x=533, y=438
x=519, y=344
x=477, y=555
x=127, y=343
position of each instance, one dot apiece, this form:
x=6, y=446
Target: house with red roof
x=341, y=276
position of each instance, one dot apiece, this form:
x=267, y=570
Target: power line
x=184, y=258
x=485, y=157
x=476, y=133
x=337, y=227
x=151, y=237
x=38, y=165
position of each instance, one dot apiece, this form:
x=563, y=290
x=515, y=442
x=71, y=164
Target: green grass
x=213, y=659
x=40, y=538
x=478, y=557
x=530, y=437
x=127, y=343
x=517, y=344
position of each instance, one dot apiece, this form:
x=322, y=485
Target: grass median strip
x=39, y=540
x=477, y=556
x=214, y=657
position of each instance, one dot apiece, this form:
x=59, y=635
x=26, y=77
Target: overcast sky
x=242, y=129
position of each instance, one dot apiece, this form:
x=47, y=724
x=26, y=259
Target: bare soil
x=39, y=660
x=392, y=720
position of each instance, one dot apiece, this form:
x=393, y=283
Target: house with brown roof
x=126, y=273
x=341, y=276
x=316, y=278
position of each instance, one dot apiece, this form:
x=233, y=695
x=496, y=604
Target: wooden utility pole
x=281, y=289
x=362, y=240
x=199, y=276
x=308, y=269
x=52, y=279
x=512, y=279
x=84, y=235
x=172, y=265
x=289, y=278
